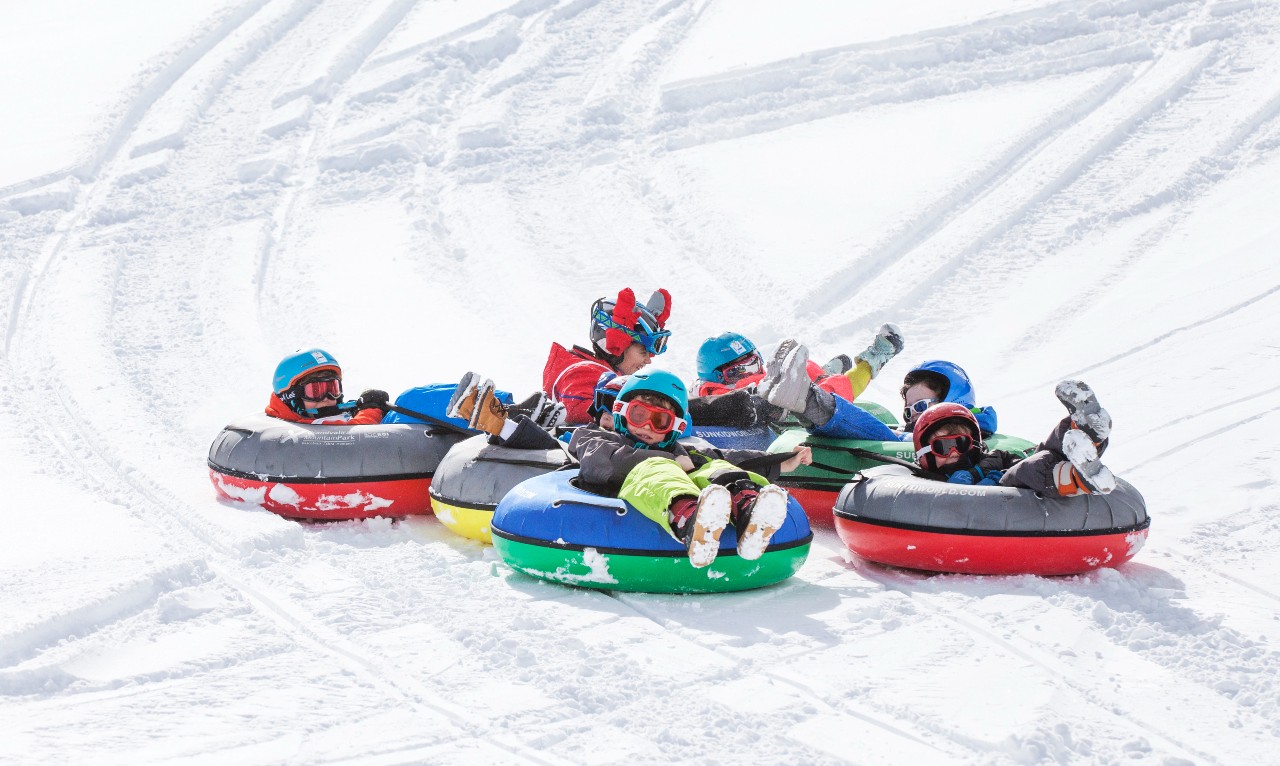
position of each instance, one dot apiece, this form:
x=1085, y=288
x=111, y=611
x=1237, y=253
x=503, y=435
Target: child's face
x=644, y=430
x=327, y=399
x=948, y=429
x=647, y=434
x=605, y=420
x=633, y=359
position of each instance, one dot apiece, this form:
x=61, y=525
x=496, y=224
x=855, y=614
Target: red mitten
x=661, y=313
x=624, y=313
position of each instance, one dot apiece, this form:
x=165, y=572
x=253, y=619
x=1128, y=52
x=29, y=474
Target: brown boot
x=463, y=401
x=490, y=414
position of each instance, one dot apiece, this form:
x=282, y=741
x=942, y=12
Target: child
x=730, y=369
x=625, y=336
x=938, y=380
x=693, y=494
x=730, y=362
x=948, y=443
x=308, y=389
x=606, y=393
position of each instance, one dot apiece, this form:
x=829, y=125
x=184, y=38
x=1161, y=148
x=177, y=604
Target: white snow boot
x=786, y=382
x=760, y=520
x=1086, y=413
x=703, y=533
x=1088, y=469
x=886, y=346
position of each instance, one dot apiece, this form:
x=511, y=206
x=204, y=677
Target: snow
x=1036, y=190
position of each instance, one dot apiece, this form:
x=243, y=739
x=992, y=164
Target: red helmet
x=940, y=413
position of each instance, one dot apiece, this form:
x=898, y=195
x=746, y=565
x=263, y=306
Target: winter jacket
x=606, y=457
x=836, y=384
x=278, y=409
x=570, y=378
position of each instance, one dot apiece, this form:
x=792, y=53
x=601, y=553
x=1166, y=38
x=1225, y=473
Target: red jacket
x=570, y=378
x=836, y=384
x=278, y=409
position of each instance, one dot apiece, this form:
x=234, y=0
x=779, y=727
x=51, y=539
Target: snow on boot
x=786, y=385
x=703, y=534
x=886, y=346
x=1078, y=447
x=463, y=401
x=489, y=414
x=1086, y=413
x=764, y=517
x=838, y=365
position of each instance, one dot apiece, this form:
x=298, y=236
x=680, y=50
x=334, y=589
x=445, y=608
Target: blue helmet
x=948, y=377
x=658, y=382
x=606, y=392
x=720, y=351
x=300, y=364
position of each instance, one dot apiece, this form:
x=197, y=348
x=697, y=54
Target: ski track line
x=169, y=512
x=1157, y=340
x=746, y=668
x=1049, y=172
x=1204, y=566
x=92, y=173
x=1193, y=442
x=1025, y=653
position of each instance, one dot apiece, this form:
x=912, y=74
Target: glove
x=991, y=479
x=960, y=477
x=373, y=399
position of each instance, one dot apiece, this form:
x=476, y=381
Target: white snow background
x=1034, y=189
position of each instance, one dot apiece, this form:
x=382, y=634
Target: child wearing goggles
x=948, y=442
x=693, y=491
x=307, y=388
x=625, y=336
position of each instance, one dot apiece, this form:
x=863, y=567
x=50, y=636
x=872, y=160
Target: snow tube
x=835, y=461
x=728, y=437
x=889, y=516
x=328, y=472
x=475, y=475
x=551, y=528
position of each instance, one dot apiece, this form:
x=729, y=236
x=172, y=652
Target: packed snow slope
x=1035, y=189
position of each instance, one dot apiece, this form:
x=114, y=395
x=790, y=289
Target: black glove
x=373, y=399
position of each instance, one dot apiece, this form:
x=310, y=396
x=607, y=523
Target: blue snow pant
x=853, y=422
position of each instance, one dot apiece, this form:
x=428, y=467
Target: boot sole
x=469, y=383
x=1082, y=404
x=1079, y=449
x=768, y=514
x=709, y=522
x=791, y=376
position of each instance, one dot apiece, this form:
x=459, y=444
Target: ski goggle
x=602, y=402
x=654, y=339
x=911, y=410
x=658, y=419
x=946, y=446
x=740, y=368
x=322, y=388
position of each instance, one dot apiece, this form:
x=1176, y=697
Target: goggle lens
x=911, y=410
x=945, y=446
x=639, y=414
x=315, y=390
x=740, y=368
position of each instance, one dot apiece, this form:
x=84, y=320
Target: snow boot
x=764, y=515
x=838, y=365
x=786, y=384
x=463, y=401
x=1086, y=413
x=489, y=414
x=1088, y=471
x=701, y=534
x=886, y=346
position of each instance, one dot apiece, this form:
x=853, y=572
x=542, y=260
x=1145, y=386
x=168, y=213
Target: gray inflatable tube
x=889, y=516
x=475, y=476
x=328, y=471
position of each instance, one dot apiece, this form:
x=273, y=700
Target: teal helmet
x=658, y=382
x=721, y=351
x=300, y=364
